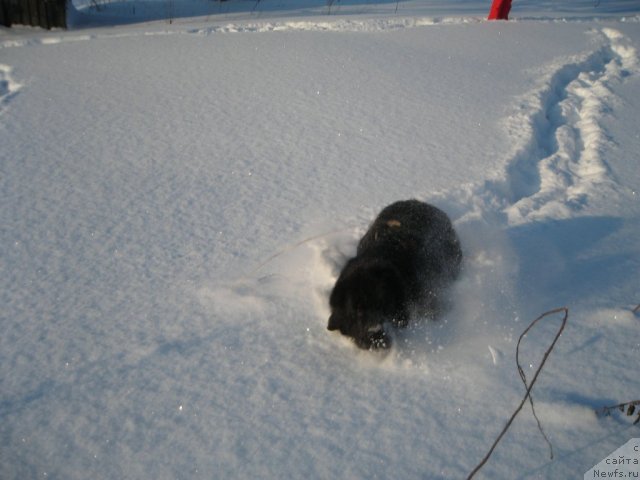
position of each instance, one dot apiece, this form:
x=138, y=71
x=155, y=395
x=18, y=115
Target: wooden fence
x=38, y=13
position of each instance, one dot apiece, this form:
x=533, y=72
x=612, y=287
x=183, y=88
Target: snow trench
x=560, y=164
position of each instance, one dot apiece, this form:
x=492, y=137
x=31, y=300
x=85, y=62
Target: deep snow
x=178, y=198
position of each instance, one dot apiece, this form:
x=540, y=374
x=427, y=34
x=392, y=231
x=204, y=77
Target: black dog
x=404, y=262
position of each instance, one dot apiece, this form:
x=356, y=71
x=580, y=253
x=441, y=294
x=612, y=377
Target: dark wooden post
x=4, y=13
x=38, y=13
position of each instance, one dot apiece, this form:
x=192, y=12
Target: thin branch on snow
x=630, y=407
x=530, y=386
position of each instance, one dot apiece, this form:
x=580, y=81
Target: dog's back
x=419, y=240
x=407, y=257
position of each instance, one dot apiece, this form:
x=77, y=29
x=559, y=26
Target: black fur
x=409, y=255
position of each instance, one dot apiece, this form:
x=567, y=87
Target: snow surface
x=177, y=199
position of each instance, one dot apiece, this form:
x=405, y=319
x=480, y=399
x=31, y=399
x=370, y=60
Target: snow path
x=557, y=166
x=561, y=168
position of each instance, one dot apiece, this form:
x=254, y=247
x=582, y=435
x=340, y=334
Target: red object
x=500, y=10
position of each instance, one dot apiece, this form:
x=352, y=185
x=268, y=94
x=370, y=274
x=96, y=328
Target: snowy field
x=177, y=197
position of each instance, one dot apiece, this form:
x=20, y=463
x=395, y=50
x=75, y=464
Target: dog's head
x=363, y=299
x=367, y=335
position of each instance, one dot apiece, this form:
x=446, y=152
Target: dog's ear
x=334, y=322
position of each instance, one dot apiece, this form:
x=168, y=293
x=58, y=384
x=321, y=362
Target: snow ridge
x=367, y=25
x=337, y=25
x=340, y=25
x=8, y=87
